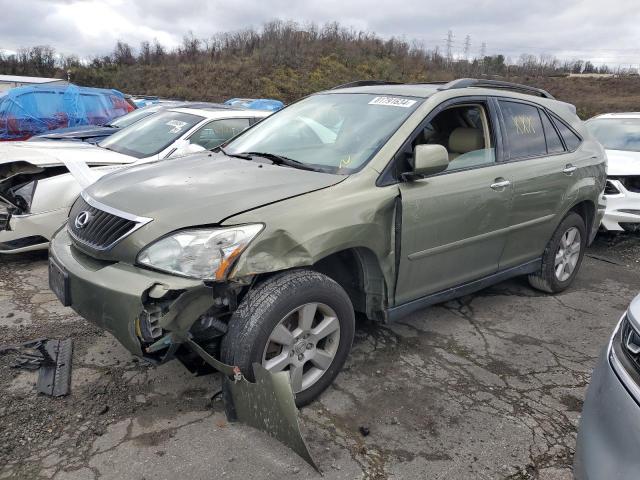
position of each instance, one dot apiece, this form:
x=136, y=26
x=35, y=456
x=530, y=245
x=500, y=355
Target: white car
x=619, y=133
x=39, y=180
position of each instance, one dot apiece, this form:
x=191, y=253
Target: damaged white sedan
x=40, y=180
x=619, y=133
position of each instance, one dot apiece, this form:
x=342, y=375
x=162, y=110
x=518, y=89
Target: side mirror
x=429, y=159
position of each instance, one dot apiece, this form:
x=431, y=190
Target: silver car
x=609, y=437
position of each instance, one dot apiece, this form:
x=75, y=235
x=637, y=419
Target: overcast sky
x=604, y=31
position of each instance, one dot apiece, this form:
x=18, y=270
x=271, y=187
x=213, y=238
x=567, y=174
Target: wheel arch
x=358, y=271
x=587, y=210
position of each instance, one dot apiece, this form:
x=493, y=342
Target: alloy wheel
x=304, y=344
x=568, y=254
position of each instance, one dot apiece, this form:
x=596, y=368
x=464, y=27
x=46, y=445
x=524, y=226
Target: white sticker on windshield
x=392, y=102
x=177, y=125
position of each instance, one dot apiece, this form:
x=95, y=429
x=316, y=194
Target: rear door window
x=524, y=132
x=554, y=144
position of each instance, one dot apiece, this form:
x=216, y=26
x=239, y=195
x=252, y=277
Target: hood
x=85, y=132
x=47, y=154
x=622, y=162
x=202, y=188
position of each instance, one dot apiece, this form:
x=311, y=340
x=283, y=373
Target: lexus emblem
x=82, y=219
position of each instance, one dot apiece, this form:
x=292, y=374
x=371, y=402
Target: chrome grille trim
x=109, y=226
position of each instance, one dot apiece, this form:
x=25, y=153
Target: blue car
x=32, y=110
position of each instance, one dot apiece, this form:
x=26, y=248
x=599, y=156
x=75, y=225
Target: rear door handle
x=569, y=169
x=500, y=184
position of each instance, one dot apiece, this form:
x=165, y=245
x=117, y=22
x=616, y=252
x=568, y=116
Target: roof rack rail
x=516, y=87
x=365, y=83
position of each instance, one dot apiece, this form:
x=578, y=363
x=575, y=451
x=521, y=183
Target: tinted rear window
x=524, y=132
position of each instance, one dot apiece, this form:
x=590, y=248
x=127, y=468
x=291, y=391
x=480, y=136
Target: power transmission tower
x=449, y=46
x=483, y=51
x=467, y=46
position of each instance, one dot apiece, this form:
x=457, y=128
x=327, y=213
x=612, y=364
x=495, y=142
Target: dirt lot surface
x=488, y=386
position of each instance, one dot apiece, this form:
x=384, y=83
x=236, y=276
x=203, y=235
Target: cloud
x=569, y=29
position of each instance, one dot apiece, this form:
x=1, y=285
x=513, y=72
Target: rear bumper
x=608, y=443
x=114, y=296
x=32, y=231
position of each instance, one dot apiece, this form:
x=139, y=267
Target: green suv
x=369, y=199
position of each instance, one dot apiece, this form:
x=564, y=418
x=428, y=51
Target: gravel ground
x=488, y=386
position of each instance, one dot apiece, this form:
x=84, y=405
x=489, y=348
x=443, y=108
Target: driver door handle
x=500, y=184
x=569, y=169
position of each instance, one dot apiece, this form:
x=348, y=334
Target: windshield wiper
x=281, y=160
x=235, y=155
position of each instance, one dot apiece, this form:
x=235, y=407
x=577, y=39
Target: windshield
x=133, y=117
x=151, y=135
x=335, y=132
x=617, y=133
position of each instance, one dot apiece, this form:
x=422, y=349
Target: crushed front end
x=161, y=317
x=20, y=228
x=137, y=306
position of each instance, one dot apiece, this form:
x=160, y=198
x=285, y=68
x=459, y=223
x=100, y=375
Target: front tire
x=299, y=321
x=562, y=257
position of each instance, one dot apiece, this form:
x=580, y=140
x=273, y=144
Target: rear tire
x=562, y=256
x=298, y=321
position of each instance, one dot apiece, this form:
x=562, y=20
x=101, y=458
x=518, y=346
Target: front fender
x=303, y=230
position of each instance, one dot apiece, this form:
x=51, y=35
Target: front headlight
x=204, y=253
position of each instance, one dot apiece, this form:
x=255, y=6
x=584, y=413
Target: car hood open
x=622, y=163
x=202, y=188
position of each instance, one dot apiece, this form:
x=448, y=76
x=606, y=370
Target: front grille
x=101, y=230
x=633, y=183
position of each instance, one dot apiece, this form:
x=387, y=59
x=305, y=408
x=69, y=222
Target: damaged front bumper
x=623, y=209
x=139, y=306
x=135, y=305
x=27, y=232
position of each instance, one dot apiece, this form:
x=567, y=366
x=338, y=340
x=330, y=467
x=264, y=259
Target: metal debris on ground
x=51, y=357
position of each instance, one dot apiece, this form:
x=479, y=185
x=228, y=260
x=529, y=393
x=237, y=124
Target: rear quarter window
x=554, y=144
x=571, y=140
x=524, y=131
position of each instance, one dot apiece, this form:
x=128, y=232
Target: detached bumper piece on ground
x=53, y=360
x=266, y=405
